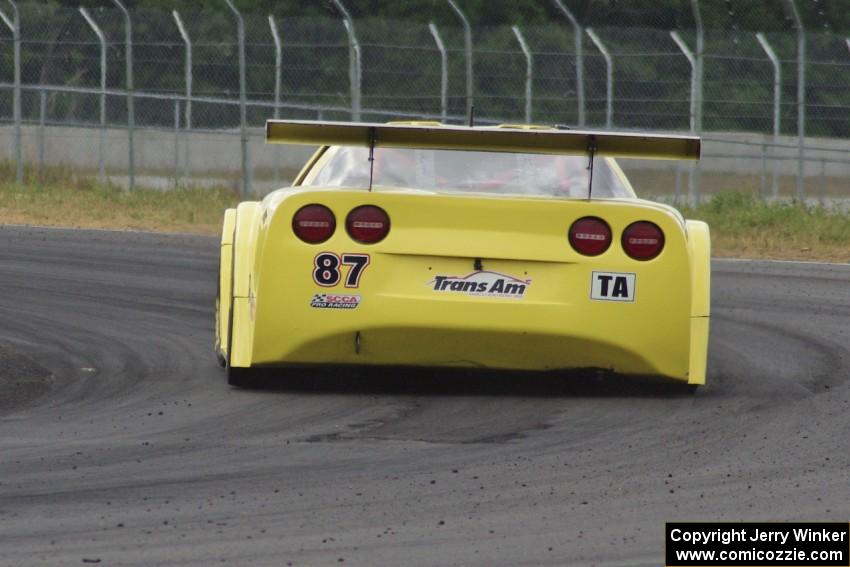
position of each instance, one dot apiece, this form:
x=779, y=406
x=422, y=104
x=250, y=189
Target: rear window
x=451, y=171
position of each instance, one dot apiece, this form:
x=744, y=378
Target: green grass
x=91, y=205
x=744, y=225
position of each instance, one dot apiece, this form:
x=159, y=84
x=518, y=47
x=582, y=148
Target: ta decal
x=612, y=286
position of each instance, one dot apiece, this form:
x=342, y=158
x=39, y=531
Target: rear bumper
x=525, y=337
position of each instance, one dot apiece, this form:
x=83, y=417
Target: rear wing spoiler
x=483, y=138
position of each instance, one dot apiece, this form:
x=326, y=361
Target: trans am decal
x=482, y=284
x=335, y=301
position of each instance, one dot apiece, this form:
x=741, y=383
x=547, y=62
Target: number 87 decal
x=326, y=268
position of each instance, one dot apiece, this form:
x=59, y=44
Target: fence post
x=467, y=45
x=354, y=61
x=278, y=66
x=699, y=57
x=42, y=118
x=696, y=166
x=693, y=184
x=577, y=35
x=101, y=167
x=188, y=81
x=444, y=71
x=529, y=71
x=609, y=77
x=777, y=100
x=176, y=142
x=131, y=118
x=683, y=47
x=243, y=100
x=14, y=25
x=801, y=101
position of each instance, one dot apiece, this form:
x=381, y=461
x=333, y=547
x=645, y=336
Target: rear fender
x=244, y=250
x=225, y=280
x=244, y=241
x=699, y=247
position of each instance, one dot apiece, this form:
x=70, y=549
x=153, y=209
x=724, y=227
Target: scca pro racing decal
x=482, y=284
x=612, y=286
x=335, y=301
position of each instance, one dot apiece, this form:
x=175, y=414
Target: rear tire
x=242, y=377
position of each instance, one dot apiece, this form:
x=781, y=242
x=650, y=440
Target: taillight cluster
x=366, y=224
x=643, y=240
x=591, y=236
x=314, y=223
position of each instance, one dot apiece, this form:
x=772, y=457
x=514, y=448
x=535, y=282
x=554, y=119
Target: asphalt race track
x=121, y=444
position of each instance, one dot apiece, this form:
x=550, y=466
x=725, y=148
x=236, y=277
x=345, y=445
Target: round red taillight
x=590, y=236
x=314, y=223
x=643, y=240
x=368, y=224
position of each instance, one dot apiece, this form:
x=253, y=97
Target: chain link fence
x=739, y=89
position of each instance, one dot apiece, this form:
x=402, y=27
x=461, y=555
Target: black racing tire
x=219, y=354
x=242, y=377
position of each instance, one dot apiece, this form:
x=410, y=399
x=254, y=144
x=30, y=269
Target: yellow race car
x=419, y=244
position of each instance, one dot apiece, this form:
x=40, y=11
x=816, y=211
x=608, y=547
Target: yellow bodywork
x=266, y=318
